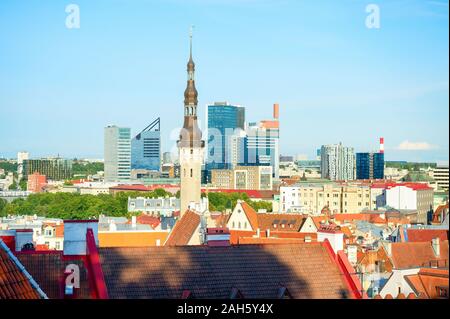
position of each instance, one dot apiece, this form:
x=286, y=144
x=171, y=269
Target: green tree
x=13, y=186
x=23, y=184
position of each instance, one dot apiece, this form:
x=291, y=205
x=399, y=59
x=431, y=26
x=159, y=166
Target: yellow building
x=243, y=177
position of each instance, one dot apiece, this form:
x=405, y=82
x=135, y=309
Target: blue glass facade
x=378, y=165
x=369, y=165
x=146, y=151
x=261, y=148
x=223, y=120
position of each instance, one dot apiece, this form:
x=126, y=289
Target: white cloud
x=415, y=146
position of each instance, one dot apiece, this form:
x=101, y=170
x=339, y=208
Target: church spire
x=190, y=94
x=190, y=42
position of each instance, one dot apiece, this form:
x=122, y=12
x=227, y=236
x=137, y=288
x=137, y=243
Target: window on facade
x=234, y=224
x=191, y=172
x=245, y=224
x=239, y=225
x=442, y=292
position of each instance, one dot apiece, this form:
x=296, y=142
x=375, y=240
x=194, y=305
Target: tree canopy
x=223, y=201
x=73, y=205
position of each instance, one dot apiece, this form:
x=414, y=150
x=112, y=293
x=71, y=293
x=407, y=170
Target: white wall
x=288, y=198
x=238, y=217
x=336, y=239
x=397, y=282
x=308, y=226
x=401, y=197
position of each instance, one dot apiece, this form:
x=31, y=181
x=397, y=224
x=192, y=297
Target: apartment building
x=243, y=177
x=311, y=198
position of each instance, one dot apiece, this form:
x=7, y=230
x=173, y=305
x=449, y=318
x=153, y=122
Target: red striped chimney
x=381, y=144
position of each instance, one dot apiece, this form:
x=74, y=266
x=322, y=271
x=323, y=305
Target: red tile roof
x=251, y=214
x=262, y=194
x=184, y=229
x=414, y=186
x=418, y=235
x=428, y=281
x=13, y=282
x=148, y=220
x=257, y=271
x=418, y=254
x=47, y=268
x=281, y=222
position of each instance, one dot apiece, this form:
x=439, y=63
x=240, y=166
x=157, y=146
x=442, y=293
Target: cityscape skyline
x=95, y=101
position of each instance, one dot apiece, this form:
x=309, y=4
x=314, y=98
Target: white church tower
x=190, y=144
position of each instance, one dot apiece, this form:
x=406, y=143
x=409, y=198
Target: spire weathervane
x=191, y=30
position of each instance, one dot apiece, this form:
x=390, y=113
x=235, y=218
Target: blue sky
x=335, y=79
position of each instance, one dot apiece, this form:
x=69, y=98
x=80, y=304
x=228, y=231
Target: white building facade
x=117, y=153
x=338, y=162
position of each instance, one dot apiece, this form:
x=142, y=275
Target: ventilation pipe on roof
x=133, y=221
x=268, y=233
x=258, y=233
x=436, y=246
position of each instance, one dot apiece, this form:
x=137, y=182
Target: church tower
x=190, y=145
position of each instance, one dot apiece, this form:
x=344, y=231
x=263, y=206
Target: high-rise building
x=440, y=175
x=337, y=162
x=117, y=153
x=146, y=148
x=369, y=165
x=225, y=122
x=21, y=156
x=261, y=145
x=190, y=145
x=55, y=169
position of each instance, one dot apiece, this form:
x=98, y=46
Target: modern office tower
x=369, y=165
x=225, y=121
x=440, y=175
x=146, y=148
x=337, y=162
x=55, y=169
x=117, y=153
x=190, y=145
x=262, y=144
x=21, y=156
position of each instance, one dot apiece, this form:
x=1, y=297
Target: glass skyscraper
x=261, y=147
x=146, y=148
x=225, y=122
x=369, y=165
x=53, y=168
x=117, y=153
